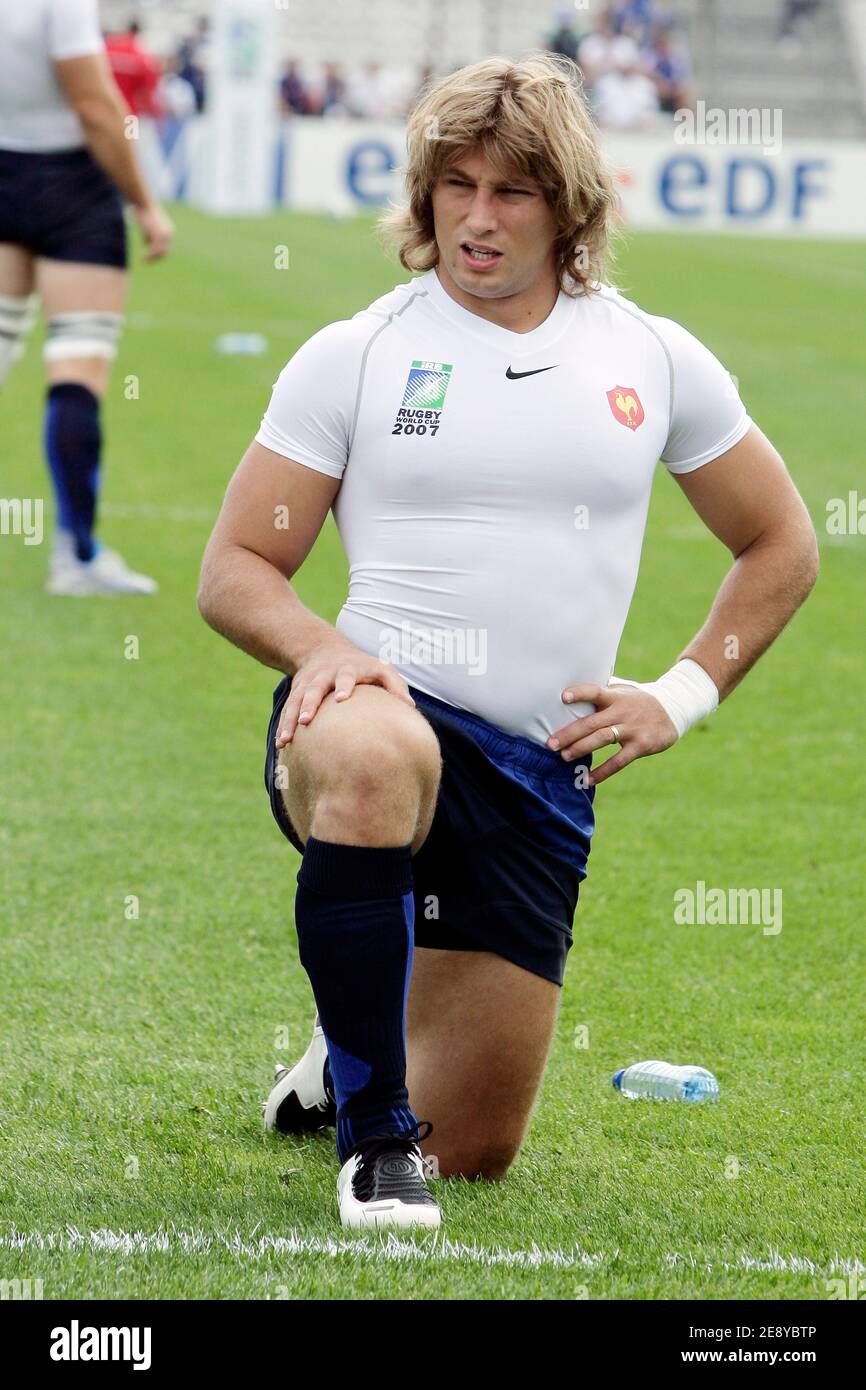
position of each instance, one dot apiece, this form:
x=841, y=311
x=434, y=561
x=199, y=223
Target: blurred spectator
x=368, y=95
x=136, y=72
x=566, y=40
x=190, y=64
x=595, y=51
x=794, y=13
x=634, y=67
x=189, y=67
x=669, y=69
x=634, y=18
x=294, y=95
x=192, y=60
x=328, y=97
x=625, y=98
x=177, y=95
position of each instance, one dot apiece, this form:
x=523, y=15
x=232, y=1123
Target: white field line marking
x=155, y=511
x=371, y=1247
x=700, y=533
x=393, y=1248
x=205, y=516
x=773, y=1262
x=850, y=538
x=152, y=511
x=144, y=320
x=687, y=533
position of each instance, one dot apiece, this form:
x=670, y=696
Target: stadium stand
x=745, y=63
x=745, y=54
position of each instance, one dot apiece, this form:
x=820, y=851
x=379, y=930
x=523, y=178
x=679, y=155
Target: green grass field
x=136, y=1050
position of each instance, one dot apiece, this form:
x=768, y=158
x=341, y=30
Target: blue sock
x=73, y=443
x=355, y=916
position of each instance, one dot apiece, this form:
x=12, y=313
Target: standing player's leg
x=479, y=1032
x=362, y=781
x=83, y=306
x=16, y=291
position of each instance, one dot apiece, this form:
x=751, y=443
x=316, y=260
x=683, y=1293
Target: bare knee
x=488, y=1161
x=369, y=774
x=371, y=761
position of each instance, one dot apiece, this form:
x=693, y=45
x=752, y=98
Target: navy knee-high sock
x=73, y=443
x=354, y=912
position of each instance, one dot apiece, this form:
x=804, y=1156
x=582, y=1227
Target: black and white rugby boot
x=299, y=1100
x=384, y=1183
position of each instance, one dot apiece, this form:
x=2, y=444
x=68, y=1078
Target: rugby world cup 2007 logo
x=423, y=398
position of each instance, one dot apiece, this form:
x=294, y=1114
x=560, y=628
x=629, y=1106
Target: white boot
x=106, y=573
x=298, y=1101
x=384, y=1183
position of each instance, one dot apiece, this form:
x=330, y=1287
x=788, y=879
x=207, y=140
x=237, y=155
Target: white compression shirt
x=34, y=34
x=495, y=485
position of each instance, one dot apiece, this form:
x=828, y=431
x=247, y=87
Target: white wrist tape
x=685, y=692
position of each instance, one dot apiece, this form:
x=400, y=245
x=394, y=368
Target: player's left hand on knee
x=632, y=718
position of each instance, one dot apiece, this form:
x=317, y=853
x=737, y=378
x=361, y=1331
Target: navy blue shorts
x=502, y=865
x=62, y=206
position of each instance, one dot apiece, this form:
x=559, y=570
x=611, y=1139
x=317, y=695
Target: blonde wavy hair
x=528, y=117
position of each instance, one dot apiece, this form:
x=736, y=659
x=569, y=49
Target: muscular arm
x=92, y=92
x=245, y=592
x=748, y=500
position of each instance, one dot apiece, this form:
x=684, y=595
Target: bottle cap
x=616, y=1080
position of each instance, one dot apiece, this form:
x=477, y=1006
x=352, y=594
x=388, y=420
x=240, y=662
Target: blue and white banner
x=798, y=188
x=791, y=188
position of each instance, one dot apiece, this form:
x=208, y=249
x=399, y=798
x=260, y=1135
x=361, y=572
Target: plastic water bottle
x=241, y=344
x=661, y=1081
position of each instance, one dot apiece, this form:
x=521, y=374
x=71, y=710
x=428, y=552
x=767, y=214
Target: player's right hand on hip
x=339, y=666
x=157, y=229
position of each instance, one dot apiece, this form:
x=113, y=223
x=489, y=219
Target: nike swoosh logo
x=515, y=376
